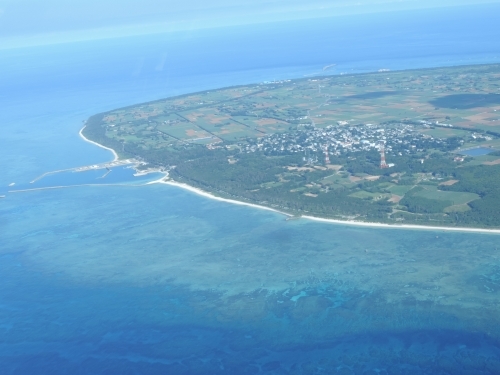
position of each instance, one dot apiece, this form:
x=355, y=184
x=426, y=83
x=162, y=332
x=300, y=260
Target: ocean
x=152, y=279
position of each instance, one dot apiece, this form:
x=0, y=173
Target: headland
x=408, y=149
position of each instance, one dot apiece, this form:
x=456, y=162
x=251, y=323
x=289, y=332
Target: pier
x=107, y=165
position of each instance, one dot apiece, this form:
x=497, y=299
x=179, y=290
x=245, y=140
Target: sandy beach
x=166, y=181
x=115, y=155
x=402, y=226
x=211, y=196
x=331, y=221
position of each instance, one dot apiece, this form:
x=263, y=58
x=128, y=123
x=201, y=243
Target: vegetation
x=266, y=144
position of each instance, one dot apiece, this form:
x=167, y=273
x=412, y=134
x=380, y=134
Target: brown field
x=343, y=98
x=395, y=198
x=300, y=169
x=493, y=162
x=192, y=133
x=269, y=121
x=311, y=195
x=334, y=167
x=449, y=183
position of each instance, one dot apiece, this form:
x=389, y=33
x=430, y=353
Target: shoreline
x=402, y=226
x=324, y=220
x=115, y=155
x=211, y=196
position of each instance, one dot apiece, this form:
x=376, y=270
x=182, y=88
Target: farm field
x=252, y=111
x=383, y=146
x=432, y=192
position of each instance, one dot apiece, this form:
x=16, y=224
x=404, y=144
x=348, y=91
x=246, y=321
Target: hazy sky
x=46, y=21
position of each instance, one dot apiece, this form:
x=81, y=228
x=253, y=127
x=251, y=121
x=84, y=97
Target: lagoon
x=154, y=279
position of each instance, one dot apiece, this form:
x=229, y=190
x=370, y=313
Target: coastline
x=206, y=194
x=115, y=155
x=403, y=226
x=211, y=196
x=318, y=219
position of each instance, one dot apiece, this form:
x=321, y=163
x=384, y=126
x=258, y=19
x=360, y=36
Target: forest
x=265, y=144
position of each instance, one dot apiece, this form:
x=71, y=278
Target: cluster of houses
x=397, y=139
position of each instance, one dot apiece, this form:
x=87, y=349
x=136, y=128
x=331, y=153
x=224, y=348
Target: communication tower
x=383, y=164
x=327, y=158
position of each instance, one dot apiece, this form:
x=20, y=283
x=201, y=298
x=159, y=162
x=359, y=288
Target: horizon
x=177, y=257
x=54, y=22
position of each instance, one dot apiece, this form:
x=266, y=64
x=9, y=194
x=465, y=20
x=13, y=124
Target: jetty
x=107, y=165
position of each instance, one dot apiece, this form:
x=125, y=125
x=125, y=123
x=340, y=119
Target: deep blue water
x=132, y=279
x=479, y=151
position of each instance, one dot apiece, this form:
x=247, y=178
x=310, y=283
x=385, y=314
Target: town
x=335, y=140
x=416, y=146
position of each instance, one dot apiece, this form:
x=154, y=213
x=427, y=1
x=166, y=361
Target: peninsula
x=415, y=147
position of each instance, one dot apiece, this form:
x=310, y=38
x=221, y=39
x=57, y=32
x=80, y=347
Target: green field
x=399, y=189
x=432, y=192
x=251, y=111
x=239, y=142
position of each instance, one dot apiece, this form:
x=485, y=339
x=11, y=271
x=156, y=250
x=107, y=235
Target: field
x=399, y=190
x=457, y=198
x=266, y=143
x=444, y=95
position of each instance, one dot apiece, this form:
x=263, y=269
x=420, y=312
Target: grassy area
x=399, y=189
x=458, y=198
x=337, y=179
x=198, y=133
x=478, y=160
x=445, y=132
x=249, y=111
x=457, y=208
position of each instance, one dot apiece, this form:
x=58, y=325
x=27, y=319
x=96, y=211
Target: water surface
x=153, y=279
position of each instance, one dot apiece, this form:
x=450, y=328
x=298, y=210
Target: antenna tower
x=383, y=164
x=327, y=158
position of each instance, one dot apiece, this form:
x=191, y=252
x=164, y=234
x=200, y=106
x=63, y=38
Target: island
x=417, y=147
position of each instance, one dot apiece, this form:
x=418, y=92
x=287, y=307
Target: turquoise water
x=150, y=276
x=125, y=175
x=152, y=279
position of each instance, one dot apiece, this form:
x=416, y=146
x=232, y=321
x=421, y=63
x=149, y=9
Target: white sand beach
x=331, y=221
x=402, y=226
x=211, y=196
x=164, y=180
x=115, y=155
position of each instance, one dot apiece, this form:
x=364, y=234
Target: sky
x=32, y=22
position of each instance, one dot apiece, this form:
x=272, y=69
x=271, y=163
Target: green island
x=405, y=147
